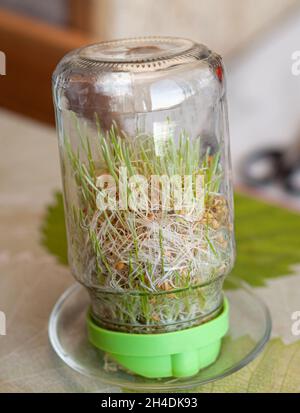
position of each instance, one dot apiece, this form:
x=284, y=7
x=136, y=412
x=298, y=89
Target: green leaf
x=268, y=241
x=53, y=230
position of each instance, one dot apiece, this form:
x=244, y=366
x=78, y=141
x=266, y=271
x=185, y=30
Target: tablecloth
x=33, y=274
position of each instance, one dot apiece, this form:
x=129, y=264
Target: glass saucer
x=250, y=328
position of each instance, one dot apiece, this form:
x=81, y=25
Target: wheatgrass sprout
x=145, y=266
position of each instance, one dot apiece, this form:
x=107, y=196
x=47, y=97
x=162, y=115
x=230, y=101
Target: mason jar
x=145, y=160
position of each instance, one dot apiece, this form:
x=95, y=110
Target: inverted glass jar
x=144, y=147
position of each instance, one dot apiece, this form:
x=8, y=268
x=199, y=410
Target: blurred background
x=256, y=38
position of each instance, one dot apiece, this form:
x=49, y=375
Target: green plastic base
x=177, y=354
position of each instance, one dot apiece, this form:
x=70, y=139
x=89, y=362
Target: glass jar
x=144, y=148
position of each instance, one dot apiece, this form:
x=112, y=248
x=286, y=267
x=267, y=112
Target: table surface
x=31, y=280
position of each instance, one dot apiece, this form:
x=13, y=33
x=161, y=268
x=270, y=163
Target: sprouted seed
x=151, y=269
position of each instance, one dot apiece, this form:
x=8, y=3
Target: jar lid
x=142, y=54
x=179, y=353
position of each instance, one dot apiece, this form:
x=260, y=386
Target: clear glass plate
x=250, y=328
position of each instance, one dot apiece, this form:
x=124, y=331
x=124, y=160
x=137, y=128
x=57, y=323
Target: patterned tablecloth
x=33, y=276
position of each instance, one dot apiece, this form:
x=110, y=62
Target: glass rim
x=202, y=318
